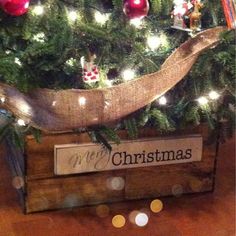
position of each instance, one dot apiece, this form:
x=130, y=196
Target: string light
x=17, y=61
x=21, y=122
x=141, y=219
x=164, y=40
x=101, y=18
x=137, y=22
x=153, y=42
x=40, y=37
x=214, y=95
x=108, y=83
x=128, y=74
x=202, y=101
x=162, y=101
x=38, y=10
x=72, y=15
x=71, y=62
x=82, y=101
x=24, y=107
x=2, y=99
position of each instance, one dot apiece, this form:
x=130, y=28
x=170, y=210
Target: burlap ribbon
x=65, y=110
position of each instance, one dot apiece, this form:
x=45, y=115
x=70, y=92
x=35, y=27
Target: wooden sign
x=83, y=158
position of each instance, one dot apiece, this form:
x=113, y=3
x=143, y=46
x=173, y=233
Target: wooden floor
x=210, y=214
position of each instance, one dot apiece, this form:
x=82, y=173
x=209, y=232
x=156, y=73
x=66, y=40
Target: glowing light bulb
x=153, y=42
x=40, y=37
x=162, y=101
x=128, y=74
x=202, y=101
x=2, y=99
x=17, y=61
x=71, y=62
x=141, y=219
x=164, y=40
x=101, y=18
x=21, y=122
x=214, y=95
x=108, y=83
x=82, y=101
x=72, y=15
x=137, y=22
x=38, y=10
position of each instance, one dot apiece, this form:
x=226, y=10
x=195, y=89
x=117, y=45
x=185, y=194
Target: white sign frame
x=91, y=157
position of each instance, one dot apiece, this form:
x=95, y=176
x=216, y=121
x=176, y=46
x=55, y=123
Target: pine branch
x=131, y=127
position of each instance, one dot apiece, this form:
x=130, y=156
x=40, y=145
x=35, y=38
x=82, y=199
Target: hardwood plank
x=67, y=192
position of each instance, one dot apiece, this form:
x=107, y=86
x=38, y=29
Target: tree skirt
x=65, y=110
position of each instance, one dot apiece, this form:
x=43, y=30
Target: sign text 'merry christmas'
x=82, y=158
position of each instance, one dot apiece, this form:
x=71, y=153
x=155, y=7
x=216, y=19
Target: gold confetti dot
x=132, y=216
x=18, y=182
x=156, y=206
x=118, y=221
x=196, y=185
x=102, y=211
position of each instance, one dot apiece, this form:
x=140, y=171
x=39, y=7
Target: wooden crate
x=43, y=190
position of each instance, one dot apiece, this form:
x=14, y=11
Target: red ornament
x=136, y=9
x=15, y=7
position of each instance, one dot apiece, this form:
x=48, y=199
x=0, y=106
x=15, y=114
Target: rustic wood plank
x=67, y=192
x=148, y=182
x=40, y=156
x=49, y=140
x=45, y=191
x=166, y=180
x=41, y=165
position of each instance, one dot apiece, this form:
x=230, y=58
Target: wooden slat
x=148, y=182
x=46, y=191
x=40, y=156
x=162, y=180
x=67, y=192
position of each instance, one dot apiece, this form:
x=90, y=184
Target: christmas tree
x=78, y=44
